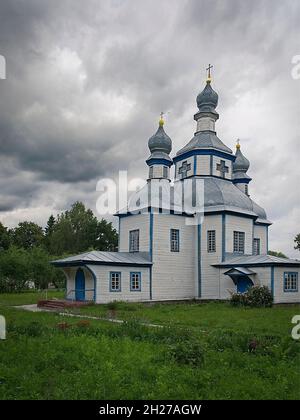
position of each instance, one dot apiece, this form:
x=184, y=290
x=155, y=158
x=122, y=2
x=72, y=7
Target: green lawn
x=201, y=353
x=28, y=297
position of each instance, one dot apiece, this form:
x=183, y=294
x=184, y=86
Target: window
x=135, y=282
x=151, y=172
x=174, y=240
x=134, y=240
x=239, y=242
x=165, y=172
x=211, y=241
x=246, y=189
x=256, y=246
x=291, y=282
x=115, y=281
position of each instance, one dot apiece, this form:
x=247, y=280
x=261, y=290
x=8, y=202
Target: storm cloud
x=86, y=82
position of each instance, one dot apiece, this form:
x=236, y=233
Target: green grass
x=208, y=316
x=202, y=353
x=28, y=297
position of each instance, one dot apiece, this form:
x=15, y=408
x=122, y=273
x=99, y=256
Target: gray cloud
x=87, y=80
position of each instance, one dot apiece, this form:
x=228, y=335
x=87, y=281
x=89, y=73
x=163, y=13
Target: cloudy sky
x=86, y=81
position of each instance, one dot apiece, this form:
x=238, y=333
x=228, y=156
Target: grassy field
x=202, y=352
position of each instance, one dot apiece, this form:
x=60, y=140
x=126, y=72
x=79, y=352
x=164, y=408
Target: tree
x=14, y=269
x=49, y=229
x=27, y=235
x=78, y=230
x=297, y=241
x=4, y=237
x=277, y=254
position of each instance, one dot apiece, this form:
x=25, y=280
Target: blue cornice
x=242, y=180
x=213, y=152
x=154, y=161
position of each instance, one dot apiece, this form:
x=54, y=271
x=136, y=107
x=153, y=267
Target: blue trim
x=154, y=161
x=95, y=281
x=253, y=238
x=140, y=281
x=223, y=236
x=151, y=251
x=272, y=280
x=211, y=163
x=241, y=180
x=119, y=234
x=195, y=165
x=199, y=261
x=288, y=290
x=267, y=228
x=204, y=152
x=110, y=275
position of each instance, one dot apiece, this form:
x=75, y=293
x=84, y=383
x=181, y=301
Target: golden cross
x=209, y=71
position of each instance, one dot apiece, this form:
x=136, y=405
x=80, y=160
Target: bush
x=255, y=297
x=187, y=353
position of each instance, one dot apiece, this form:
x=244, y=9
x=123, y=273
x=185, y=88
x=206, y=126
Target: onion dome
x=241, y=164
x=160, y=141
x=207, y=100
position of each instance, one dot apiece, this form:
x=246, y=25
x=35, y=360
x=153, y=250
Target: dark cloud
x=87, y=80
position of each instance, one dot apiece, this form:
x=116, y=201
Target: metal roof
x=256, y=260
x=205, y=140
x=106, y=258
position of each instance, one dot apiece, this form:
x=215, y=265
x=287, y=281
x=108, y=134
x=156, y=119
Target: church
x=165, y=254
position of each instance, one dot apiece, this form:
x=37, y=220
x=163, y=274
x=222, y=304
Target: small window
x=135, y=282
x=115, y=281
x=256, y=246
x=174, y=240
x=239, y=242
x=165, y=172
x=134, y=240
x=211, y=241
x=151, y=172
x=246, y=189
x=291, y=282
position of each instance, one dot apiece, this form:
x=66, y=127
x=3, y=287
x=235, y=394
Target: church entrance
x=80, y=285
x=243, y=283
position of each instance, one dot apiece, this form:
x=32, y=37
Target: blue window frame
x=135, y=281
x=134, y=240
x=290, y=281
x=115, y=281
x=174, y=240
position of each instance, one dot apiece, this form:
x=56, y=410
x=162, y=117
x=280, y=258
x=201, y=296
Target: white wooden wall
x=261, y=233
x=103, y=293
x=203, y=165
x=241, y=224
x=279, y=295
x=210, y=279
x=173, y=273
x=137, y=221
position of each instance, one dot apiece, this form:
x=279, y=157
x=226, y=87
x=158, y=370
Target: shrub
x=259, y=296
x=112, y=306
x=187, y=353
x=255, y=297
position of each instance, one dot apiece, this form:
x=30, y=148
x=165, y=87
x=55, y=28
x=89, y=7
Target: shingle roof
x=248, y=260
x=106, y=258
